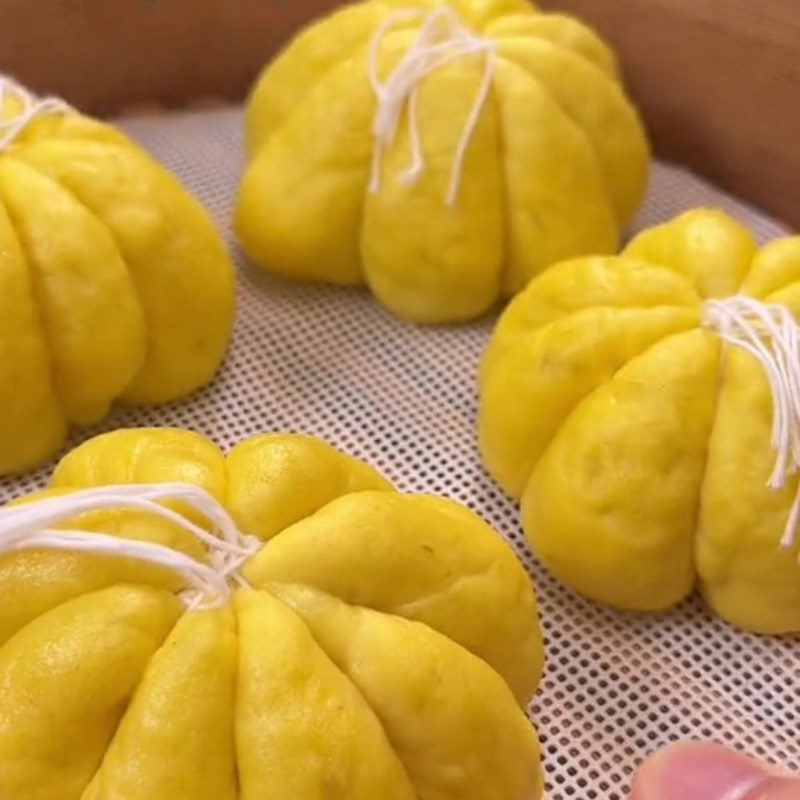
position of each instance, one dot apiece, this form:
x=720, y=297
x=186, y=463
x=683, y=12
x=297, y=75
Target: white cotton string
x=772, y=336
x=442, y=39
x=208, y=587
x=31, y=107
x=28, y=526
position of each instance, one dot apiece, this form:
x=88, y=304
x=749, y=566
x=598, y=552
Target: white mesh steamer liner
x=333, y=363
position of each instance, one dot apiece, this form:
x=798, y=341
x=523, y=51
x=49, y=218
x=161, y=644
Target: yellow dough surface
x=555, y=166
x=381, y=645
x=114, y=284
x=640, y=446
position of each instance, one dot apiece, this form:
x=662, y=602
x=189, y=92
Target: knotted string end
x=30, y=108
x=442, y=39
x=769, y=333
x=30, y=526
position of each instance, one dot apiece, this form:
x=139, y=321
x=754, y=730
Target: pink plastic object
x=705, y=771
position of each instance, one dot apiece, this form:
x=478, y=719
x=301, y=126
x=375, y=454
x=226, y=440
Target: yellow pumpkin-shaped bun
x=640, y=443
x=441, y=154
x=114, y=284
x=329, y=637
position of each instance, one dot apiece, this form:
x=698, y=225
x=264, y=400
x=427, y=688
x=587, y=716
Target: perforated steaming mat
x=331, y=362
